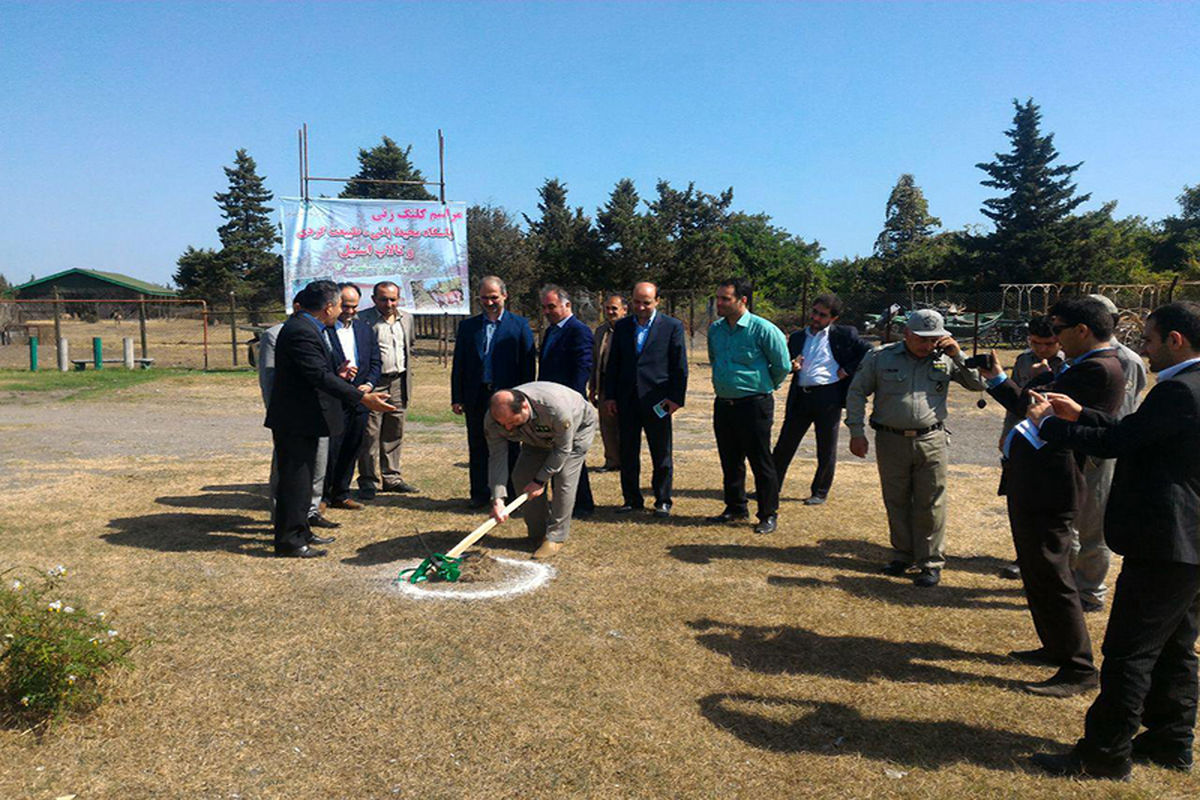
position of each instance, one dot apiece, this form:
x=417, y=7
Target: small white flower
x=16, y=586
x=111, y=633
x=57, y=571
x=100, y=616
x=55, y=606
x=9, y=636
x=70, y=679
x=25, y=700
x=68, y=610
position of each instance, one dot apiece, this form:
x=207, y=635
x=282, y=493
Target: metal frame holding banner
x=419, y=245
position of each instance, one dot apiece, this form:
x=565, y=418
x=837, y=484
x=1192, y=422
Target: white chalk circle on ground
x=528, y=575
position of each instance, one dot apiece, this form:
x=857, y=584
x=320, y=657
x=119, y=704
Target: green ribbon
x=438, y=565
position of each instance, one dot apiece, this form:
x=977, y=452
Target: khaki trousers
x=381, y=441
x=552, y=519
x=912, y=474
x=1090, y=556
x=610, y=434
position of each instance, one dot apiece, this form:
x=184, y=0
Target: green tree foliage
x=781, y=266
x=1178, y=250
x=624, y=238
x=1038, y=198
x=247, y=263
x=907, y=221
x=5, y=286
x=497, y=246
x=567, y=246
x=386, y=161
x=687, y=247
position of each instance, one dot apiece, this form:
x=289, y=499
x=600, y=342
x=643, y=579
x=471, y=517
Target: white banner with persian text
x=421, y=246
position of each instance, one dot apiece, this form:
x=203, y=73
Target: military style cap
x=926, y=322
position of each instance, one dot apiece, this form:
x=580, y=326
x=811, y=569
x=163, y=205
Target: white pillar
x=127, y=351
x=64, y=355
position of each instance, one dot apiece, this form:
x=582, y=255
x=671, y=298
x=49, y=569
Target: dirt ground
x=663, y=658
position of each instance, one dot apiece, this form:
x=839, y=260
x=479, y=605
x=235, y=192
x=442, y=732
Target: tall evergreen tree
x=1039, y=197
x=623, y=237
x=567, y=246
x=204, y=275
x=386, y=161
x=499, y=247
x=907, y=220
x=688, y=249
x=248, y=237
x=1179, y=248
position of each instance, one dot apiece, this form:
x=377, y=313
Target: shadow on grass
x=824, y=728
x=181, y=533
x=248, y=488
x=418, y=502
x=425, y=543
x=902, y=592
x=218, y=500
x=788, y=650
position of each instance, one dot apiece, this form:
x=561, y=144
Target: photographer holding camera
x=910, y=380
x=1045, y=485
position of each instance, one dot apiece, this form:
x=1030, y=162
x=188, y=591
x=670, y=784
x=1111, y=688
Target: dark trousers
x=743, y=432
x=295, y=458
x=584, y=502
x=1043, y=542
x=820, y=407
x=632, y=419
x=1149, y=674
x=477, y=449
x=343, y=455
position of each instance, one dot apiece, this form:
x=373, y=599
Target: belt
x=815, y=387
x=911, y=433
x=733, y=401
x=390, y=376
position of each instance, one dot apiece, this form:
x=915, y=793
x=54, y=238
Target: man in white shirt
x=379, y=459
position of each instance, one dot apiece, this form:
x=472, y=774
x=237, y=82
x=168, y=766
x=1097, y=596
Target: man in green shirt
x=910, y=381
x=749, y=358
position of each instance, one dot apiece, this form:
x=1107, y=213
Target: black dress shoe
x=1065, y=683
x=1178, y=760
x=403, y=487
x=662, y=510
x=895, y=568
x=730, y=516
x=767, y=525
x=319, y=521
x=1039, y=657
x=928, y=577
x=1091, y=606
x=473, y=503
x=628, y=509
x=1011, y=572
x=300, y=552
x=814, y=501
x=1070, y=765
x=314, y=539
x=366, y=494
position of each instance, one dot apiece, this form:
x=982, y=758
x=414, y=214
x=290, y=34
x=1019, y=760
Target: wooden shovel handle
x=477, y=534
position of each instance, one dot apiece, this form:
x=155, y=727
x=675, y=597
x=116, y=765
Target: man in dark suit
x=647, y=382
x=1044, y=484
x=566, y=358
x=353, y=342
x=824, y=358
x=306, y=404
x=1149, y=675
x=494, y=350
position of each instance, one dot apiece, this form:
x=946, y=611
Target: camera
x=981, y=361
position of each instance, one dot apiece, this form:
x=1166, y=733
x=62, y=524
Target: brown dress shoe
x=548, y=549
x=348, y=504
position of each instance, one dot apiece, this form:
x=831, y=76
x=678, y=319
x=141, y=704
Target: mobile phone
x=660, y=408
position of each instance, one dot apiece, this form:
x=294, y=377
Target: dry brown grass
x=663, y=660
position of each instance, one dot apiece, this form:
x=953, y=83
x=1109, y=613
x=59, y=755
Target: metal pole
x=975, y=345
x=442, y=166
x=204, y=328
x=233, y=326
x=97, y=352
x=300, y=156
x=305, y=156
x=57, y=315
x=142, y=323
x=33, y=353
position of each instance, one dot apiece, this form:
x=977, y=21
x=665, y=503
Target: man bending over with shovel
x=555, y=426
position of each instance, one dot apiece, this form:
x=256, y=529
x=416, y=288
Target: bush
x=53, y=653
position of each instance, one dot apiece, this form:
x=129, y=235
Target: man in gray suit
x=379, y=459
x=555, y=426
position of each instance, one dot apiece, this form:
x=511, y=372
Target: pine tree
x=499, y=247
x=248, y=237
x=907, y=220
x=1178, y=250
x=689, y=251
x=567, y=246
x=204, y=275
x=623, y=237
x=1028, y=242
x=386, y=162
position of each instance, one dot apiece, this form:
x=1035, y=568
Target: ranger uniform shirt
x=910, y=392
x=558, y=414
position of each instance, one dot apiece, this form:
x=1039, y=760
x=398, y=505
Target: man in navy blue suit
x=354, y=343
x=492, y=351
x=647, y=381
x=566, y=358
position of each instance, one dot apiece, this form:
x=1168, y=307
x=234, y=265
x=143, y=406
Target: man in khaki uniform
x=910, y=380
x=615, y=309
x=381, y=442
x=555, y=426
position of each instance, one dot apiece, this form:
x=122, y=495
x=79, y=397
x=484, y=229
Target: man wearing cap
x=910, y=380
x=554, y=425
x=1090, y=556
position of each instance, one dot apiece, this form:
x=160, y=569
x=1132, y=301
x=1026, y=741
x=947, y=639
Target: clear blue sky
x=117, y=117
